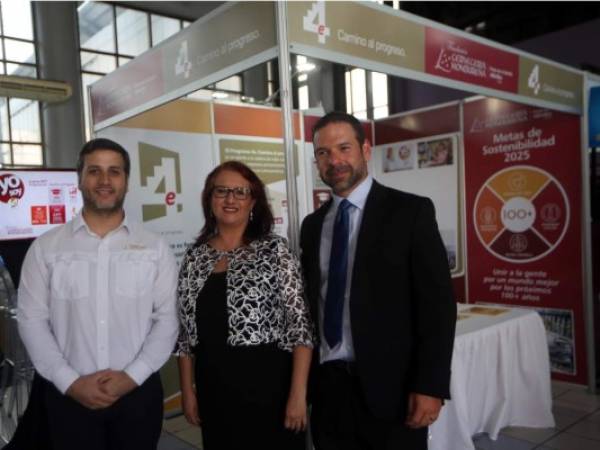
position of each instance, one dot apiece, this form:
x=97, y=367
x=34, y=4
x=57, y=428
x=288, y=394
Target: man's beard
x=90, y=204
x=354, y=176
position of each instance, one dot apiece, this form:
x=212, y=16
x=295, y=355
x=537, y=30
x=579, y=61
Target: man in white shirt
x=96, y=312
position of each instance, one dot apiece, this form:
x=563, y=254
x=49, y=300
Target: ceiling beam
x=181, y=10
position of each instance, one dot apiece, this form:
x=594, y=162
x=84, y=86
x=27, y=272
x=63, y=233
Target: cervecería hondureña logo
x=160, y=175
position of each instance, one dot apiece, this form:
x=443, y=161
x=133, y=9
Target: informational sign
x=266, y=159
x=343, y=29
x=171, y=154
x=405, y=45
x=462, y=59
x=521, y=214
x=253, y=136
x=559, y=326
x=227, y=41
x=318, y=193
x=33, y=202
x=542, y=81
x=523, y=202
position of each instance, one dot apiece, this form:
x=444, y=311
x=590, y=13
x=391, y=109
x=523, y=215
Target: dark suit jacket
x=402, y=309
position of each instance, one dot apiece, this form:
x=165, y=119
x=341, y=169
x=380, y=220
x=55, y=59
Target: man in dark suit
x=379, y=287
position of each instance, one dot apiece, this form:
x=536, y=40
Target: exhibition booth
x=506, y=169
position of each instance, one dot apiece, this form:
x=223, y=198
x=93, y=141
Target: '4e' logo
x=533, y=81
x=183, y=65
x=314, y=21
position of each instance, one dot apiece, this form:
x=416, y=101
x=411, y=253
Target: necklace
x=218, y=244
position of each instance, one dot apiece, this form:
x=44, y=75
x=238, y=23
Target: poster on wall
x=428, y=167
x=561, y=342
x=34, y=201
x=321, y=193
x=317, y=191
x=523, y=197
x=266, y=158
x=171, y=155
x=253, y=135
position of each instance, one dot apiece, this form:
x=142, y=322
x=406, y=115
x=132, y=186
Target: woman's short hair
x=262, y=217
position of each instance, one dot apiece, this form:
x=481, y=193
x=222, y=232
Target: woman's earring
x=251, y=215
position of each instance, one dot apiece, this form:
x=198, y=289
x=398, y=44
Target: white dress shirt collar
x=79, y=222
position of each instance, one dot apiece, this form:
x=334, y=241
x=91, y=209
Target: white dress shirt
x=88, y=303
x=358, y=197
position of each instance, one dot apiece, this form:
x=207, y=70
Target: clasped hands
x=101, y=389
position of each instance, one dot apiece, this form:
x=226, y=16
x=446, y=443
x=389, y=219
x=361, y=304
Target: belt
x=340, y=365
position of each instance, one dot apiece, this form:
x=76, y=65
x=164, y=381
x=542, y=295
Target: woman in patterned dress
x=246, y=338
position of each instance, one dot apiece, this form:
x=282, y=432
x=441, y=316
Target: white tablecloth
x=500, y=377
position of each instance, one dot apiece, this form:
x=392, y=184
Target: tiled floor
x=179, y=435
x=576, y=412
x=577, y=416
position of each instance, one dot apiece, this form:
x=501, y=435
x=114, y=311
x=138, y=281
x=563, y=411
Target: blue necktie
x=336, y=283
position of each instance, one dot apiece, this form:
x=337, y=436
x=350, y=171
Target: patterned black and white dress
x=241, y=325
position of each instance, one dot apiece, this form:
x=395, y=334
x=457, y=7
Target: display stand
x=363, y=35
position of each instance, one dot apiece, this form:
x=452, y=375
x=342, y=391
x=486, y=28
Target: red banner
x=457, y=58
x=523, y=197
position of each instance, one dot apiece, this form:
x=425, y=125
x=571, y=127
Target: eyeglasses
x=239, y=193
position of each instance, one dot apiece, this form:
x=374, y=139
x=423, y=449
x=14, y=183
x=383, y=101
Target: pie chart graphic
x=521, y=214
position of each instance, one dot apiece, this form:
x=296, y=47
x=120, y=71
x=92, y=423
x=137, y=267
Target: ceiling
x=506, y=22
x=190, y=10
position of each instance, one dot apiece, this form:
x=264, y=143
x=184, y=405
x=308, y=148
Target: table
x=500, y=377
